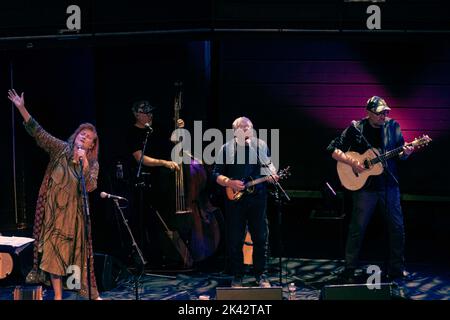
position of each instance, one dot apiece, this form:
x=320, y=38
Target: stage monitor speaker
x=108, y=270
x=356, y=292
x=250, y=293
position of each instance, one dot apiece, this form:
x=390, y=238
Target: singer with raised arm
x=375, y=135
x=59, y=224
x=242, y=157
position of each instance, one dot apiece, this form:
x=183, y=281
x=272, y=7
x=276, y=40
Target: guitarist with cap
x=379, y=134
x=245, y=156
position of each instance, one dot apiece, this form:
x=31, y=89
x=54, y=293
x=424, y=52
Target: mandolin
x=249, y=183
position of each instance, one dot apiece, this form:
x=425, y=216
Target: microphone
x=107, y=195
x=147, y=126
x=80, y=148
x=355, y=126
x=80, y=159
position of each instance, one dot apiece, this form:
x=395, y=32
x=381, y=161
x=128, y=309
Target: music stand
x=12, y=247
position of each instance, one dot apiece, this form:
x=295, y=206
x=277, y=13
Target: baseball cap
x=377, y=104
x=142, y=106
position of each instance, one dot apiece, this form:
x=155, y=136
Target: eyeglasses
x=384, y=113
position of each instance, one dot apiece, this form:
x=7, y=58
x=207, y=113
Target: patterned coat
x=59, y=227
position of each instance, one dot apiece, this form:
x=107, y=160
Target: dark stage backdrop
x=59, y=94
x=65, y=87
x=130, y=73
x=313, y=87
x=309, y=87
x=7, y=194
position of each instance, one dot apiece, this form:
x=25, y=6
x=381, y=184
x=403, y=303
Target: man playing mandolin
x=242, y=157
x=375, y=134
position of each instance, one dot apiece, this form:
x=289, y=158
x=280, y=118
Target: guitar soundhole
x=366, y=164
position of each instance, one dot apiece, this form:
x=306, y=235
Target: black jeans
x=251, y=211
x=364, y=204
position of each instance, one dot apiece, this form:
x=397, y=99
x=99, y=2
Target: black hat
x=142, y=106
x=377, y=104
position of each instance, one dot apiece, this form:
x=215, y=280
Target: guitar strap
x=232, y=149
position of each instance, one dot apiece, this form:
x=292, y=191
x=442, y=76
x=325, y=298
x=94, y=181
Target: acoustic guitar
x=373, y=162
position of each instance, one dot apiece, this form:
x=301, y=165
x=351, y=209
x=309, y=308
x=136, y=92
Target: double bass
x=191, y=199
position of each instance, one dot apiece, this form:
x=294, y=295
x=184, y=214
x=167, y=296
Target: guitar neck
x=388, y=155
x=256, y=181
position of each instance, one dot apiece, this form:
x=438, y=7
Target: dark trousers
x=249, y=211
x=364, y=205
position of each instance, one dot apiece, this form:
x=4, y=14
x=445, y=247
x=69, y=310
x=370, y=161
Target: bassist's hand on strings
x=171, y=165
x=174, y=137
x=180, y=123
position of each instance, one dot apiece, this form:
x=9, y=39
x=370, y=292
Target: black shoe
x=400, y=276
x=237, y=282
x=385, y=277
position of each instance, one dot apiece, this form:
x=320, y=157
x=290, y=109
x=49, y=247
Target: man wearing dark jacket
x=233, y=163
x=376, y=131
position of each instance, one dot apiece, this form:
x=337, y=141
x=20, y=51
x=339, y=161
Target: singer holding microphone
x=59, y=224
x=375, y=131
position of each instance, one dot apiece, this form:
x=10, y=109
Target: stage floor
x=310, y=276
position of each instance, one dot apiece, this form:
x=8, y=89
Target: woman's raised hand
x=19, y=101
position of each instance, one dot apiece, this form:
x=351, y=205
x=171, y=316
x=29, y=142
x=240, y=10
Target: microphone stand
x=140, y=183
x=383, y=162
x=135, y=246
x=86, y=225
x=138, y=174
x=279, y=201
x=279, y=191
